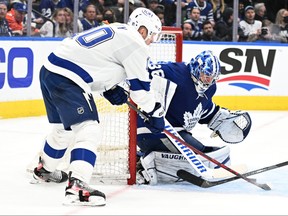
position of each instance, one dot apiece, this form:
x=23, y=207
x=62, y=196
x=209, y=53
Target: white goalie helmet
x=144, y=17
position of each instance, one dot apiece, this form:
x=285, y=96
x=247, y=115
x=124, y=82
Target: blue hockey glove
x=116, y=95
x=155, y=119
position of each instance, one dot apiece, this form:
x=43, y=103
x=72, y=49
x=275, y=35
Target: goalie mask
x=205, y=70
x=144, y=17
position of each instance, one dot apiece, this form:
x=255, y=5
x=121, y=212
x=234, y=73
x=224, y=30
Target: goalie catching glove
x=231, y=127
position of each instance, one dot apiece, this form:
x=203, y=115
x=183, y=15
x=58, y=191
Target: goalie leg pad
x=167, y=164
x=147, y=172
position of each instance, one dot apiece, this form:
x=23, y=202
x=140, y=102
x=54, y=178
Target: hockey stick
x=188, y=152
x=198, y=181
x=191, y=157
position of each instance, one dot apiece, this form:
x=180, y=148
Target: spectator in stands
x=269, y=33
x=109, y=16
x=100, y=7
x=82, y=5
x=47, y=7
x=69, y=18
x=119, y=11
x=35, y=32
x=4, y=26
x=208, y=32
x=224, y=27
x=15, y=18
x=282, y=23
x=206, y=11
x=159, y=11
x=89, y=20
x=169, y=11
x=250, y=26
x=273, y=6
x=152, y=4
x=187, y=31
x=260, y=12
x=218, y=7
x=58, y=26
x=196, y=23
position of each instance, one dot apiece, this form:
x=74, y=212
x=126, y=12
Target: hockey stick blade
x=198, y=181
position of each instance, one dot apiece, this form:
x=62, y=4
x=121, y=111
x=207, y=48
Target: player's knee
x=59, y=137
x=87, y=131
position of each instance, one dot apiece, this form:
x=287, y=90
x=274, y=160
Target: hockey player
x=191, y=104
x=95, y=60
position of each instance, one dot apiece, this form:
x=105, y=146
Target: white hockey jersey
x=102, y=57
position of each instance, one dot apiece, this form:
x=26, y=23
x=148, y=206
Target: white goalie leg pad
x=58, y=139
x=222, y=155
x=149, y=173
x=167, y=164
x=87, y=136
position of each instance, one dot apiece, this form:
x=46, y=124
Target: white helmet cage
x=144, y=17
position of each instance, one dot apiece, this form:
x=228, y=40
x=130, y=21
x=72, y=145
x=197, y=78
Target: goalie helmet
x=144, y=17
x=205, y=70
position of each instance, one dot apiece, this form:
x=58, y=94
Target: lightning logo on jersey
x=87, y=96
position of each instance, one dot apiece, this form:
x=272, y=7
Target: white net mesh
x=164, y=50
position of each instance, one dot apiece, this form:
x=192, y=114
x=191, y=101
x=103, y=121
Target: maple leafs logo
x=191, y=120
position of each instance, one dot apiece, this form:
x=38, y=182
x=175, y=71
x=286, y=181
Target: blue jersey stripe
x=70, y=66
x=53, y=153
x=84, y=155
x=136, y=84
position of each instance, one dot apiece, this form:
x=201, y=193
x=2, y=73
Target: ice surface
x=266, y=144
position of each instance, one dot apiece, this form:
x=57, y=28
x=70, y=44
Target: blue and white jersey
x=100, y=58
x=206, y=12
x=47, y=7
x=186, y=108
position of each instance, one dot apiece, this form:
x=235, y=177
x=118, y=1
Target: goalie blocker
x=162, y=167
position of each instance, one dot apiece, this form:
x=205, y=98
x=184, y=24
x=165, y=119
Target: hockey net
x=116, y=153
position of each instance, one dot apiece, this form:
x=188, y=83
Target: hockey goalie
x=191, y=104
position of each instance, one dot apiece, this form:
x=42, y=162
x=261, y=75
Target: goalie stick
x=188, y=152
x=198, y=181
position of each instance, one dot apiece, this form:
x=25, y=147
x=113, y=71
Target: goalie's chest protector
x=186, y=107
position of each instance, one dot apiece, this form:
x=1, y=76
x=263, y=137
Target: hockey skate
x=40, y=174
x=79, y=193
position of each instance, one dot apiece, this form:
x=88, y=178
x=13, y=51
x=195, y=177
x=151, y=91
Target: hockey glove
x=116, y=95
x=231, y=127
x=155, y=119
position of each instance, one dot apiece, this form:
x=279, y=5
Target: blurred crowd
x=202, y=20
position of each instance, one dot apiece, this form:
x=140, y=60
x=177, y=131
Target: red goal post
x=168, y=49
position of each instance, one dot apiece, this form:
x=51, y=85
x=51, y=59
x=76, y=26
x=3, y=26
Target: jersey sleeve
x=136, y=65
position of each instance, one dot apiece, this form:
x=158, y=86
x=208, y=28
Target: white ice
x=266, y=145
